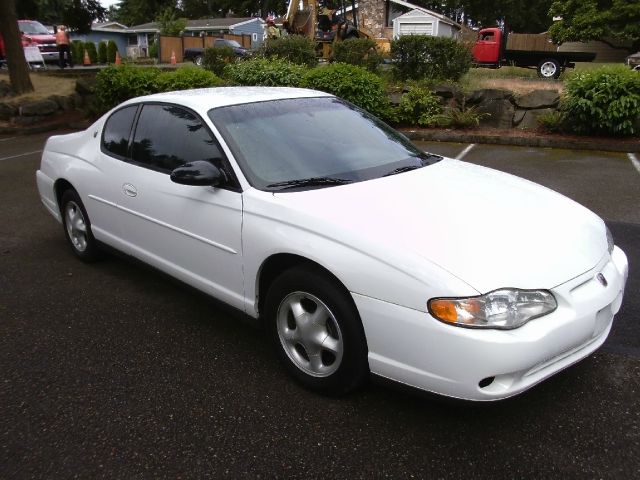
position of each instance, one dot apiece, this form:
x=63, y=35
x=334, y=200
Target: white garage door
x=416, y=28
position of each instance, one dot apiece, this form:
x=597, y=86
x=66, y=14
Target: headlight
x=610, y=243
x=501, y=309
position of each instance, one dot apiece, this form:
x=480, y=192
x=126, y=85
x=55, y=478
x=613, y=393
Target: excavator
x=325, y=25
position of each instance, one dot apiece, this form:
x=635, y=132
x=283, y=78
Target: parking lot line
x=463, y=153
x=5, y=139
x=635, y=161
x=20, y=155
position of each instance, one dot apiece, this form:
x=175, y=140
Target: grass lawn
x=44, y=85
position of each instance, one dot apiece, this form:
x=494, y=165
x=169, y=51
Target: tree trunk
x=18, y=68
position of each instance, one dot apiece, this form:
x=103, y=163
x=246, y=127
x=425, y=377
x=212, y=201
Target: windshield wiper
x=308, y=182
x=406, y=168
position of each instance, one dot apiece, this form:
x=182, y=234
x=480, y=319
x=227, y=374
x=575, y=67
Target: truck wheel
x=198, y=60
x=549, y=68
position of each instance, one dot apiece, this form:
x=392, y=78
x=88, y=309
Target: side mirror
x=199, y=173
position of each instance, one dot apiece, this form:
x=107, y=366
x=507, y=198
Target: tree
x=136, y=12
x=169, y=24
x=76, y=14
x=584, y=20
x=18, y=68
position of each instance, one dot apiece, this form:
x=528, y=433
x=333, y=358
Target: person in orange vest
x=62, y=41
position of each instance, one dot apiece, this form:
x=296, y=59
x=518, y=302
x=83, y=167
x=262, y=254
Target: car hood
x=488, y=228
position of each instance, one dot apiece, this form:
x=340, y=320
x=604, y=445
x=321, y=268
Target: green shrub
x=297, y=49
x=77, y=51
x=112, y=48
x=153, y=50
x=186, y=78
x=215, y=59
x=460, y=117
x=118, y=83
x=354, y=84
x=420, y=56
x=274, y=72
x=552, y=122
x=358, y=51
x=605, y=101
x=419, y=106
x=90, y=47
x=102, y=52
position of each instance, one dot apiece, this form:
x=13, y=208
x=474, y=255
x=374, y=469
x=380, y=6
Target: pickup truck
x=34, y=33
x=490, y=51
x=196, y=54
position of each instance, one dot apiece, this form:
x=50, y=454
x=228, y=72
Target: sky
x=108, y=3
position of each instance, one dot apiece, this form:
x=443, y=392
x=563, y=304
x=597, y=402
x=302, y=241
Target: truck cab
x=487, y=49
x=33, y=33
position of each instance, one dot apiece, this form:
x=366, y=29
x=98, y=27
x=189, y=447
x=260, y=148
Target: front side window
x=297, y=140
x=168, y=136
x=117, y=129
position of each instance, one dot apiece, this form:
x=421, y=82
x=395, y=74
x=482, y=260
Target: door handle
x=129, y=190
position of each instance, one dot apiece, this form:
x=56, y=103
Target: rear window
x=117, y=130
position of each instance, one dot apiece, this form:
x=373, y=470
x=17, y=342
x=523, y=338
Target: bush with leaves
x=77, y=51
x=297, y=49
x=118, y=83
x=186, y=78
x=554, y=122
x=354, y=84
x=112, y=48
x=90, y=47
x=460, y=117
x=153, y=50
x=215, y=59
x=102, y=52
x=419, y=106
x=358, y=51
x=273, y=72
x=420, y=56
x=605, y=101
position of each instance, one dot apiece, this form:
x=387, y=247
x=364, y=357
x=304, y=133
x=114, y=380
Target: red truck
x=490, y=51
x=35, y=34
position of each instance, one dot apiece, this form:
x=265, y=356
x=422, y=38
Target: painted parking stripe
x=5, y=139
x=463, y=153
x=635, y=161
x=20, y=155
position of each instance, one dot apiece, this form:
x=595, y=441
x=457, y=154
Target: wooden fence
x=177, y=45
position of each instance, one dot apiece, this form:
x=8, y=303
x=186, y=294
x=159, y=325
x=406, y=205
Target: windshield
x=33, y=28
x=313, y=142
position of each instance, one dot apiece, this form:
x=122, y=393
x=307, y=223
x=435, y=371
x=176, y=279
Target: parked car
x=35, y=34
x=359, y=252
x=633, y=60
x=196, y=55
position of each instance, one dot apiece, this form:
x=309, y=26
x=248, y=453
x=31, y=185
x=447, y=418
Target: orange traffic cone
x=118, y=59
x=86, y=60
x=173, y=57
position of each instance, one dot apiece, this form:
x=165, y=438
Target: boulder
x=85, y=86
x=518, y=116
x=65, y=103
x=488, y=94
x=27, y=121
x=538, y=99
x=7, y=111
x=5, y=89
x=447, y=91
x=39, y=108
x=500, y=113
x=530, y=118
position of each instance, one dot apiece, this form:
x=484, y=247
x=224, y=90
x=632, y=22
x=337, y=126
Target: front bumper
x=411, y=347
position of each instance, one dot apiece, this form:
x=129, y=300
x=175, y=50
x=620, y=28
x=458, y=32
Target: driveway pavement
x=112, y=370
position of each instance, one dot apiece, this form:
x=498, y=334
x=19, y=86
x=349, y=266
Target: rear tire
x=549, y=68
x=77, y=227
x=316, y=331
x=198, y=60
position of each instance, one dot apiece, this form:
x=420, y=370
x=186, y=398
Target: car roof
x=204, y=99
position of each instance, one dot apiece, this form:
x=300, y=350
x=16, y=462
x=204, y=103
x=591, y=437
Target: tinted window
x=117, y=130
x=168, y=136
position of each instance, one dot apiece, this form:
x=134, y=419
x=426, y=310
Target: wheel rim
x=76, y=226
x=310, y=334
x=199, y=61
x=548, y=69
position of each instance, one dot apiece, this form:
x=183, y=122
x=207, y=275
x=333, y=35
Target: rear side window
x=168, y=136
x=117, y=130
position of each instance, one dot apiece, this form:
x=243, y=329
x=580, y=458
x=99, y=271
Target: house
x=104, y=32
x=140, y=36
x=423, y=22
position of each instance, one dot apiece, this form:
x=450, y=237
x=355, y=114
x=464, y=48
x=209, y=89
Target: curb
x=604, y=144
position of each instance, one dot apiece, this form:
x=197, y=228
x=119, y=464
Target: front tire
x=316, y=331
x=549, y=68
x=77, y=227
x=198, y=60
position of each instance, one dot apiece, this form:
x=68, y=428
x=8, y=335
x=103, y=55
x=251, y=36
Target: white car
x=361, y=253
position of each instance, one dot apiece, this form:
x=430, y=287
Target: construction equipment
x=316, y=20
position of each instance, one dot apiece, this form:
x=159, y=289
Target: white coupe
x=360, y=253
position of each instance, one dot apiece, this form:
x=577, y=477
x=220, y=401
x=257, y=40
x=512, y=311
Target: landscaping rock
x=447, y=91
x=500, y=113
x=530, y=118
x=65, y=103
x=85, y=86
x=488, y=94
x=395, y=98
x=538, y=99
x=38, y=108
x=7, y=111
x=518, y=116
x=5, y=89
x=78, y=100
x=27, y=121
